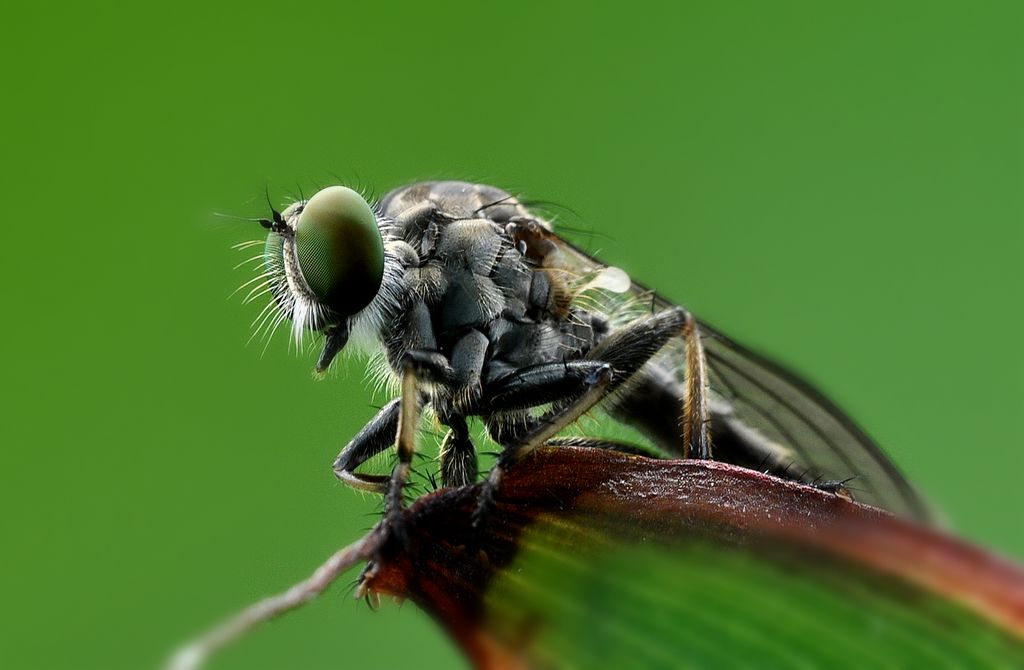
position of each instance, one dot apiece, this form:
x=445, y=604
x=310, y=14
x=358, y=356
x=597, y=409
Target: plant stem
x=195, y=653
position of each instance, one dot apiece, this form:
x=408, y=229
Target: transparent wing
x=786, y=410
x=773, y=409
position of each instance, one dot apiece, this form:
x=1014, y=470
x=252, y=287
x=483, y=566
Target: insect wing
x=787, y=410
x=774, y=405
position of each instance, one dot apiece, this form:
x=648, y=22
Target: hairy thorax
x=483, y=288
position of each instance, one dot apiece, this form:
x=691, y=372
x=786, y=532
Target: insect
x=481, y=309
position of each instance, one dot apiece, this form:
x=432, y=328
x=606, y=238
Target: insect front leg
x=409, y=403
x=375, y=437
x=460, y=456
x=380, y=432
x=405, y=443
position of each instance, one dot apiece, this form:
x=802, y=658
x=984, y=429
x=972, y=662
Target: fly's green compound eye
x=339, y=249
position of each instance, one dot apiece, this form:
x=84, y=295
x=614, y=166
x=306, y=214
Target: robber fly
x=482, y=310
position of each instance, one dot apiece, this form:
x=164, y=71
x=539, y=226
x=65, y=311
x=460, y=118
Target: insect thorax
x=478, y=284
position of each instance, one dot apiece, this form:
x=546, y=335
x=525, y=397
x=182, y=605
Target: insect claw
x=837, y=488
x=363, y=581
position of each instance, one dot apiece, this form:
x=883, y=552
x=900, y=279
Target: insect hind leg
x=696, y=410
x=602, y=443
x=547, y=427
x=620, y=356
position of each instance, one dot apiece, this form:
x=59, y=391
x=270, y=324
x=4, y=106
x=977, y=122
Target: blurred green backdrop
x=839, y=185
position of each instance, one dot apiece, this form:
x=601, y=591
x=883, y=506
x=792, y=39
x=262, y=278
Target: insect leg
x=506, y=401
x=836, y=487
x=696, y=414
x=539, y=384
x=408, y=420
x=547, y=427
x=457, y=455
x=375, y=437
x=556, y=420
x=600, y=443
x=523, y=389
x=630, y=347
x=625, y=350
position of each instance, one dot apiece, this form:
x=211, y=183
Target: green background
x=836, y=184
